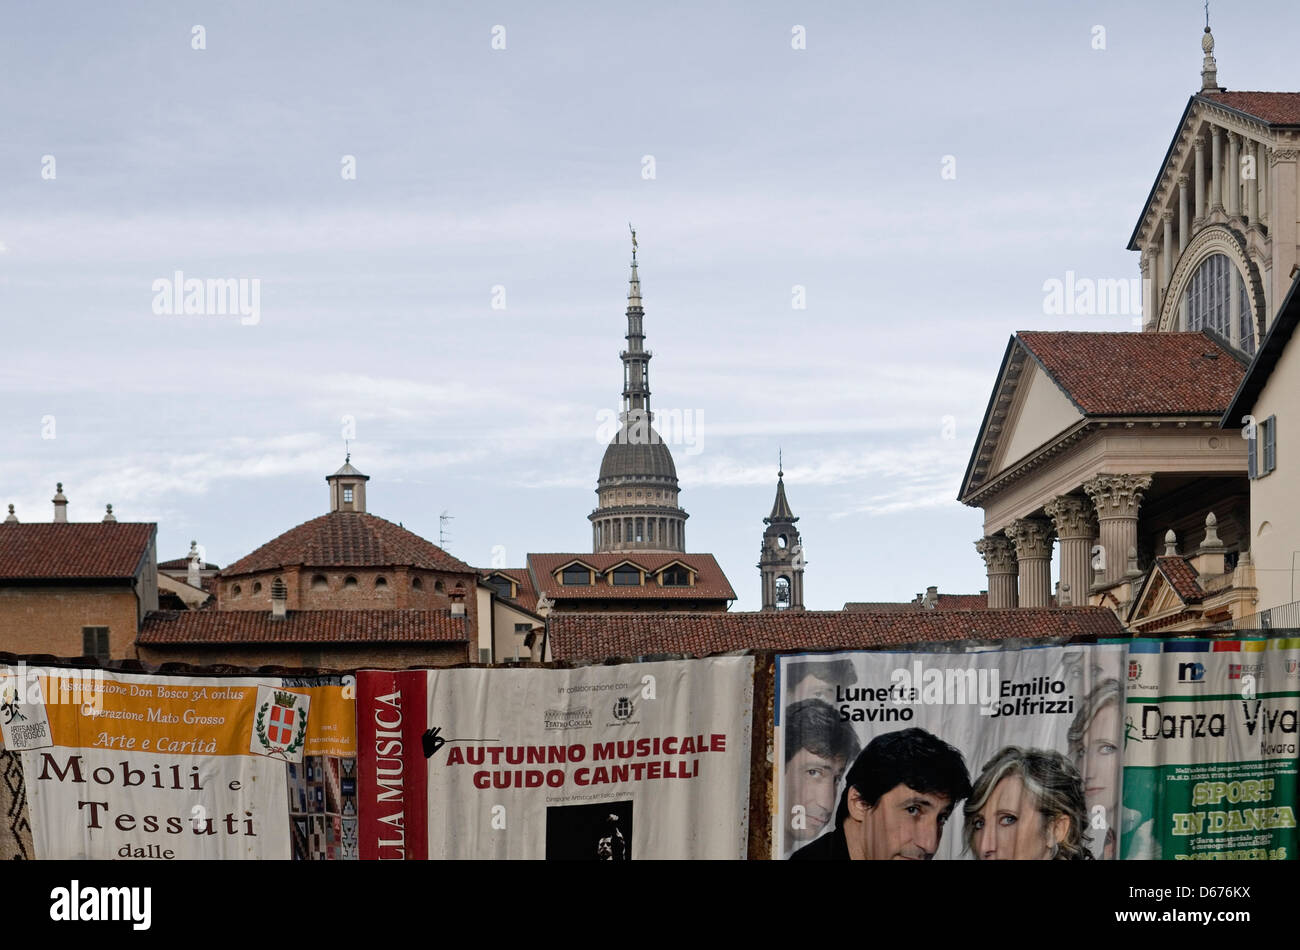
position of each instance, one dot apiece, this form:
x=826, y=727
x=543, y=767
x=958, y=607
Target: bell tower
x=780, y=560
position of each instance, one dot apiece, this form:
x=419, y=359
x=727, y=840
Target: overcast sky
x=509, y=176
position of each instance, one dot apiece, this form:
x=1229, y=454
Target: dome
x=631, y=455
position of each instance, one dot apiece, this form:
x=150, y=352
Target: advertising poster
x=1210, y=749
x=323, y=786
x=614, y=763
x=163, y=767
x=979, y=752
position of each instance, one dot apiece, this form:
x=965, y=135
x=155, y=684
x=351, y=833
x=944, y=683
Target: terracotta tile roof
x=1182, y=578
x=593, y=636
x=710, y=582
x=525, y=593
x=94, y=549
x=302, y=626
x=1275, y=108
x=946, y=602
x=1137, y=374
x=347, y=539
x=183, y=564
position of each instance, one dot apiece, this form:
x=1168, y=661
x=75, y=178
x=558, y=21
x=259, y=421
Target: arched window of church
x=640, y=529
x=350, y=581
x=782, y=593
x=1209, y=301
x=318, y=582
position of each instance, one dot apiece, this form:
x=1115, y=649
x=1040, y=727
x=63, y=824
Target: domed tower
x=781, y=560
x=637, y=490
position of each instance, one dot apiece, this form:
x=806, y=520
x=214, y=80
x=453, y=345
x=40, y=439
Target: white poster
x=154, y=767
x=629, y=762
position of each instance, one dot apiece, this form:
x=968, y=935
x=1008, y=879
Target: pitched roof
x=1266, y=358
x=1182, y=578
x=1139, y=374
x=593, y=636
x=347, y=539
x=67, y=550
x=1108, y=375
x=1274, y=108
x=302, y=626
x=710, y=582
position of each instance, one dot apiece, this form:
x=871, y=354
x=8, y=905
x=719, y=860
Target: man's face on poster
x=905, y=825
x=810, y=785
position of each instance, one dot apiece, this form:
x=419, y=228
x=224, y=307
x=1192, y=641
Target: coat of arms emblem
x=280, y=726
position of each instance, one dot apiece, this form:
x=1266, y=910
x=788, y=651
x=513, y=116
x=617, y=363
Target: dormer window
x=503, y=586
x=575, y=576
x=675, y=576
x=625, y=575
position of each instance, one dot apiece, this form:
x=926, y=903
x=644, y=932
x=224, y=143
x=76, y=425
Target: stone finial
x=1171, y=543
x=60, y=503
x=1132, y=563
x=108, y=513
x=13, y=518
x=1209, y=69
x=1212, y=541
x=1063, y=598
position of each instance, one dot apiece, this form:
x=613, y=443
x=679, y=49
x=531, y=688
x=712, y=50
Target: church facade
x=1111, y=449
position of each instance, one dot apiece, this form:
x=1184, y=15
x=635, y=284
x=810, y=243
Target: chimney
x=279, y=599
x=192, y=575
x=60, y=505
x=108, y=514
x=931, y=598
x=457, y=596
x=13, y=518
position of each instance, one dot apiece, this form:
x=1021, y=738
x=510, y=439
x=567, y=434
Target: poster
x=977, y=752
x=322, y=788
x=162, y=767
x=1210, y=749
x=628, y=762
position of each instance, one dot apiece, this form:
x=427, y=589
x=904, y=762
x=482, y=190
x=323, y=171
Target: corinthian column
x=1117, y=499
x=1076, y=528
x=1000, y=561
x=1033, y=540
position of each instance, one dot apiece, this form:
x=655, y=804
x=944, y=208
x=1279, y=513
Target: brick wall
x=401, y=589
x=49, y=619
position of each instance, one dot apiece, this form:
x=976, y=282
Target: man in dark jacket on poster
x=897, y=797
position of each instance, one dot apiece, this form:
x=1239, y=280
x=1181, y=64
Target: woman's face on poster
x=1010, y=827
x=1101, y=758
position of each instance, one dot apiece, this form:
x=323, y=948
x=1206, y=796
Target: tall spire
x=636, y=359
x=781, y=511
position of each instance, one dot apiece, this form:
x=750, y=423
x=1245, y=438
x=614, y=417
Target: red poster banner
x=391, y=781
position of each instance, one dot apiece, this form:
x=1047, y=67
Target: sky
x=843, y=213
